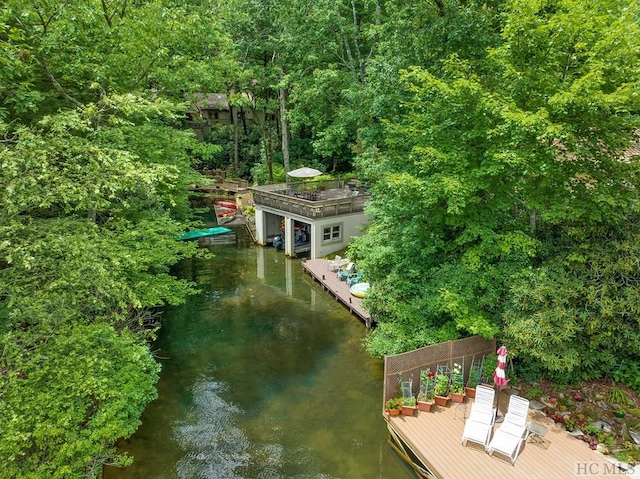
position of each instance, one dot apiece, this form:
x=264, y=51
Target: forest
x=500, y=140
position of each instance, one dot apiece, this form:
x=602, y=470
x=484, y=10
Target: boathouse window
x=332, y=233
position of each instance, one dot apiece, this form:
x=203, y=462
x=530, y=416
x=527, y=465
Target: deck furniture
x=354, y=278
x=536, y=432
x=344, y=273
x=336, y=263
x=478, y=426
x=508, y=439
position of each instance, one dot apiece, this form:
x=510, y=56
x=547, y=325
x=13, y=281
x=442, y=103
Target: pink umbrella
x=499, y=377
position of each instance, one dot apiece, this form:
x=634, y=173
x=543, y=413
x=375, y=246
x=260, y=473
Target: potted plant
x=442, y=390
x=393, y=406
x=474, y=379
x=427, y=390
x=408, y=406
x=457, y=384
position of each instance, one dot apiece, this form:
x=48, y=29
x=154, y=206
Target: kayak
x=359, y=290
x=225, y=211
x=227, y=204
x=218, y=230
x=223, y=220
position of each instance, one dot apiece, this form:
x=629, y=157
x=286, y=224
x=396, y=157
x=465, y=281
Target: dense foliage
x=94, y=164
x=496, y=137
x=507, y=196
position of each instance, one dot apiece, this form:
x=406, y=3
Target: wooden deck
x=319, y=269
x=434, y=438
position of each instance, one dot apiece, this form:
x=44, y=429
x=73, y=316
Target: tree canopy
x=94, y=166
x=501, y=183
x=499, y=140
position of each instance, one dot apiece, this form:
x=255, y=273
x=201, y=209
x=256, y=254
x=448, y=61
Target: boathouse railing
x=408, y=365
x=312, y=199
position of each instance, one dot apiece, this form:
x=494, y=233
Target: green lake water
x=264, y=376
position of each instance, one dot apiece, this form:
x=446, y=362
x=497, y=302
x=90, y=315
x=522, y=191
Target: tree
x=489, y=167
x=67, y=428
x=93, y=177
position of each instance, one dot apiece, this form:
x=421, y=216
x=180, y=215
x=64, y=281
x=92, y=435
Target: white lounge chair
x=478, y=426
x=508, y=439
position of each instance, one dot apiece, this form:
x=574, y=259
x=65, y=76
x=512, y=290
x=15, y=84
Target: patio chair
x=508, y=439
x=477, y=428
x=345, y=272
x=354, y=278
x=335, y=263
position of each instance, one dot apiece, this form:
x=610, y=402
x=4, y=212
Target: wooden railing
x=311, y=199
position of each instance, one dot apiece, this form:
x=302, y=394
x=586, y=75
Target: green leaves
x=93, y=169
x=67, y=398
x=495, y=180
x=74, y=271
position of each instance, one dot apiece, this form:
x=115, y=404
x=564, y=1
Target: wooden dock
x=430, y=441
x=319, y=270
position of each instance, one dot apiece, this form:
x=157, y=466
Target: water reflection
x=213, y=445
x=265, y=378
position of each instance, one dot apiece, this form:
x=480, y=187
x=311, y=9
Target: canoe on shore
x=223, y=220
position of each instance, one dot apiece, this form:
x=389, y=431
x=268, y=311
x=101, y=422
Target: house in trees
x=315, y=217
x=212, y=109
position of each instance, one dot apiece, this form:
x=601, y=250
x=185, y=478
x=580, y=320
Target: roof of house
x=211, y=101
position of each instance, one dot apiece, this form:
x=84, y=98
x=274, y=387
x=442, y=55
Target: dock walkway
x=319, y=270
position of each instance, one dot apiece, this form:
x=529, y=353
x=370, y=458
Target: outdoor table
x=463, y=407
x=537, y=432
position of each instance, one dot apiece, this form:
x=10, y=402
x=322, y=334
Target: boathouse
x=317, y=218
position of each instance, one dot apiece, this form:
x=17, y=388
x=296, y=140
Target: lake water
x=264, y=376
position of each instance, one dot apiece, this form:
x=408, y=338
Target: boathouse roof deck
x=313, y=199
x=433, y=438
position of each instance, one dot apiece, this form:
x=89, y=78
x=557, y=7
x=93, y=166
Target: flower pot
x=393, y=412
x=425, y=406
x=442, y=400
x=470, y=392
x=457, y=397
x=408, y=410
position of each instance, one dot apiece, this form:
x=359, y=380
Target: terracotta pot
x=470, y=392
x=442, y=400
x=457, y=397
x=408, y=410
x=425, y=406
x=393, y=412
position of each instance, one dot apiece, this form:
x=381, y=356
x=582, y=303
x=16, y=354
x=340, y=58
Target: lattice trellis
x=409, y=365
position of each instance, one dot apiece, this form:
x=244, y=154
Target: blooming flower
x=553, y=400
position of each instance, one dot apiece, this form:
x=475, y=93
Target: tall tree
x=491, y=166
x=94, y=169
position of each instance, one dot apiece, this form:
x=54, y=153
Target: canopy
x=304, y=172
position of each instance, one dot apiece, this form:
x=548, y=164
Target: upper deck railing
x=313, y=199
